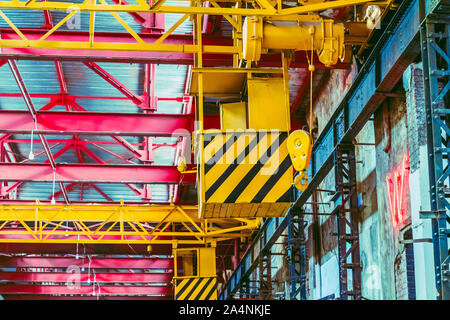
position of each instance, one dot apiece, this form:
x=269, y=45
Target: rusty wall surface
x=391, y=116
x=396, y=129
x=379, y=242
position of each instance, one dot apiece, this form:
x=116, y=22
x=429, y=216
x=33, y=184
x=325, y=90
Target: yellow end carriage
x=246, y=168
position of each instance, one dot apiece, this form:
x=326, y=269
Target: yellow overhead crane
x=245, y=168
x=306, y=33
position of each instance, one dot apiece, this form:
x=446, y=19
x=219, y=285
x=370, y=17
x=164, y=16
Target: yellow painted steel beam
x=231, y=14
x=161, y=8
x=69, y=6
x=320, y=6
x=148, y=47
x=94, y=212
x=101, y=224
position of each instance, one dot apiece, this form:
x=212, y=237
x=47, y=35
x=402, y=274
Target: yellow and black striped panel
x=247, y=167
x=202, y=288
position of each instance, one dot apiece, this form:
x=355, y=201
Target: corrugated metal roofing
x=40, y=78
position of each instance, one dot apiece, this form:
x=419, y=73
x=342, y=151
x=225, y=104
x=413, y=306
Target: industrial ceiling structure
x=128, y=129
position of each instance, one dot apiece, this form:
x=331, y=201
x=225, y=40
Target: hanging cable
x=93, y=285
x=53, y=188
x=311, y=69
x=77, y=257
x=31, y=155
x=99, y=289
x=89, y=269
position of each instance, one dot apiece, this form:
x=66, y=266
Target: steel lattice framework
x=435, y=40
x=173, y=223
x=109, y=224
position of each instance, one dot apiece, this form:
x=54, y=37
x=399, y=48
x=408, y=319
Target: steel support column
x=347, y=222
x=435, y=43
x=395, y=50
x=265, y=276
x=296, y=254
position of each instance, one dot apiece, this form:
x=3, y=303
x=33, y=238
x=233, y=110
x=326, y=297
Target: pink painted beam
x=48, y=19
x=149, y=20
x=93, y=173
x=103, y=290
x=157, y=57
x=95, y=262
x=138, y=100
x=58, y=96
x=84, y=277
x=150, y=100
x=59, y=193
x=51, y=122
x=60, y=75
x=104, y=195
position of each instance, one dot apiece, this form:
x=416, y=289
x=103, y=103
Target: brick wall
x=415, y=112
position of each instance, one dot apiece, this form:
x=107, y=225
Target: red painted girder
x=83, y=262
x=209, y=60
x=57, y=96
x=223, y=248
x=93, y=173
x=114, y=82
x=103, y=290
x=54, y=122
x=85, y=277
x=63, y=248
x=149, y=20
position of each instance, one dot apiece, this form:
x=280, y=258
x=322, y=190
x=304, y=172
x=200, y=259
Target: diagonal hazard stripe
x=209, y=137
x=271, y=182
x=189, y=289
x=255, y=169
x=206, y=285
x=244, y=165
x=184, y=284
x=211, y=190
x=215, y=144
x=229, y=158
x=212, y=294
x=280, y=187
x=220, y=152
x=288, y=196
x=198, y=284
x=269, y=169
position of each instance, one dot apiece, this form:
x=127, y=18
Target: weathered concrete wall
x=391, y=269
x=391, y=116
x=419, y=184
x=369, y=215
x=322, y=256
